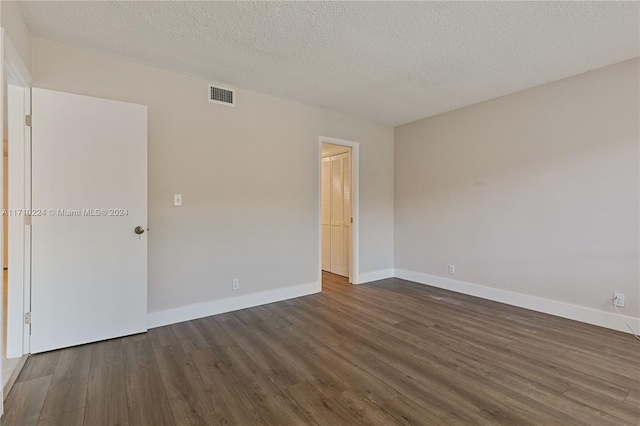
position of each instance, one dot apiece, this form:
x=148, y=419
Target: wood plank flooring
x=391, y=352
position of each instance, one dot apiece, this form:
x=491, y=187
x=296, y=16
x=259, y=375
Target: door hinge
x=351, y=220
x=27, y=318
x=27, y=220
x=27, y=120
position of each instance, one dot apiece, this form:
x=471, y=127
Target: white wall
x=16, y=30
x=249, y=177
x=534, y=193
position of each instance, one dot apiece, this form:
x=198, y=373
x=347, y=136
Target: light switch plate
x=177, y=199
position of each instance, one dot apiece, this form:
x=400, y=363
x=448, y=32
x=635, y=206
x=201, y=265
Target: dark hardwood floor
x=392, y=352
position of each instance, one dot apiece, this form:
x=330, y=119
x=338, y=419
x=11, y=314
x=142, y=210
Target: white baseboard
x=214, y=307
x=605, y=319
x=382, y=274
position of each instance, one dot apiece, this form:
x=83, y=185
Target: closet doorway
x=337, y=209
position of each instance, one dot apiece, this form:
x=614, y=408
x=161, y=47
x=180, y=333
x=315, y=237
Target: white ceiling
x=391, y=62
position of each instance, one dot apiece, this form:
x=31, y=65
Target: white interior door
x=89, y=193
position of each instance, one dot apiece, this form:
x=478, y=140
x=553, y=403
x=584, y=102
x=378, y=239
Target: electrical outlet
x=618, y=300
x=452, y=269
x=235, y=284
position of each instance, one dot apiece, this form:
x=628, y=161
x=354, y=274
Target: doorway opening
x=15, y=172
x=338, y=210
x=8, y=364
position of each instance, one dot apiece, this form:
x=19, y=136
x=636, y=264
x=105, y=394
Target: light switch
x=177, y=199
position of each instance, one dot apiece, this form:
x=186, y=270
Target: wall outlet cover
x=618, y=300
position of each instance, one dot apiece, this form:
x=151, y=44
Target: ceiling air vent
x=220, y=95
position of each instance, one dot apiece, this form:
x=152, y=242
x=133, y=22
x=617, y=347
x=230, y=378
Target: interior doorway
x=338, y=208
x=15, y=234
x=8, y=365
x=14, y=245
x=5, y=242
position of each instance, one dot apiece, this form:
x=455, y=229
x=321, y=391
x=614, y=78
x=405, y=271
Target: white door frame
x=18, y=81
x=1, y=193
x=354, y=267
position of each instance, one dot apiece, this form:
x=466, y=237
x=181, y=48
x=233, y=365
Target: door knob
x=139, y=230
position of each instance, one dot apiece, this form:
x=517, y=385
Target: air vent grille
x=220, y=95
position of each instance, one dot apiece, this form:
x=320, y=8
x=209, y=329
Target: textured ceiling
x=391, y=62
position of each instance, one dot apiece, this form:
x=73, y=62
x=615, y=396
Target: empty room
x=320, y=213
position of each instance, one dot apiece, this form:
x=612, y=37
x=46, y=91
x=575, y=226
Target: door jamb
x=18, y=81
x=354, y=272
